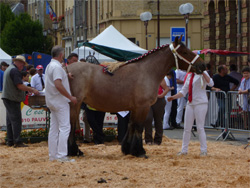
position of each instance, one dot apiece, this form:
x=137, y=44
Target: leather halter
x=177, y=55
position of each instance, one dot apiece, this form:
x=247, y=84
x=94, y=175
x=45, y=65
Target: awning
x=114, y=53
x=221, y=52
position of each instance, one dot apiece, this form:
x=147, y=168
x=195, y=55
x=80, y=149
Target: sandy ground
x=225, y=166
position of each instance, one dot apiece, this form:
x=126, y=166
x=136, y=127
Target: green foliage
x=23, y=35
x=6, y=15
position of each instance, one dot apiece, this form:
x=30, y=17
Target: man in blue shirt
x=245, y=90
x=1, y=80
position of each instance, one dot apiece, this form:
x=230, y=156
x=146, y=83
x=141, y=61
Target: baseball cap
x=38, y=67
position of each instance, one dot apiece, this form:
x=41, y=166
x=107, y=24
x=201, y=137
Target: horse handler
x=195, y=86
x=58, y=96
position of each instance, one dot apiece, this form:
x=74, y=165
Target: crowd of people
x=179, y=90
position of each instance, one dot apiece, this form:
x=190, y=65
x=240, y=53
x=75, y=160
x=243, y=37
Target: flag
x=50, y=11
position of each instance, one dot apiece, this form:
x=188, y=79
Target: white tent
x=111, y=37
x=112, y=43
x=84, y=51
x=5, y=57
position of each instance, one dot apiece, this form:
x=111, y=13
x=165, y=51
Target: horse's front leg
x=132, y=142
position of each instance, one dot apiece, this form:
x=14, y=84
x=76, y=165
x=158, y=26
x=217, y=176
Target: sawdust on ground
x=225, y=166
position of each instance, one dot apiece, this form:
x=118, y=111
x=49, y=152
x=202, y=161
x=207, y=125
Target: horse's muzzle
x=199, y=67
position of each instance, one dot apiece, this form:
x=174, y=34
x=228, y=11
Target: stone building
x=227, y=27
x=125, y=17
x=85, y=19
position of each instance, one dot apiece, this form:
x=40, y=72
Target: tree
x=23, y=35
x=6, y=15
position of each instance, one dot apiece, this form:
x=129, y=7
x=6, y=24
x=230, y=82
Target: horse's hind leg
x=73, y=149
x=132, y=142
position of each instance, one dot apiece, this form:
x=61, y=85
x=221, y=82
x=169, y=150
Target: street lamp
x=186, y=9
x=145, y=17
x=55, y=27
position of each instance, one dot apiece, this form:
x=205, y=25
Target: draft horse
x=133, y=87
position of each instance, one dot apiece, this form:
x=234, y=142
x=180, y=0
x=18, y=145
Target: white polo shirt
x=36, y=81
x=54, y=99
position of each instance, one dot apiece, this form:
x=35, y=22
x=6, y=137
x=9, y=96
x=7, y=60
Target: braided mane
x=110, y=67
x=146, y=54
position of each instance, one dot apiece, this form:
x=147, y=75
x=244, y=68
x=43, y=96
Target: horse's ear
x=180, y=39
x=89, y=53
x=176, y=41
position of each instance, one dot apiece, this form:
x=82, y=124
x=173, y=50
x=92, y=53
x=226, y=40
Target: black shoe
x=214, y=125
x=178, y=126
x=18, y=145
x=169, y=128
x=10, y=144
x=86, y=141
x=157, y=143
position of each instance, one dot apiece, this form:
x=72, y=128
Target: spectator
x=245, y=90
x=95, y=119
x=233, y=73
x=37, y=81
x=58, y=96
x=25, y=78
x=1, y=79
x=174, y=102
x=4, y=65
x=208, y=69
x=29, y=67
x=180, y=75
x=196, y=109
x=156, y=113
x=122, y=127
x=32, y=72
x=72, y=58
x=168, y=105
x=222, y=83
x=12, y=96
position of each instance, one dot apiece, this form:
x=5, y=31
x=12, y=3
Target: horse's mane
x=113, y=66
x=146, y=54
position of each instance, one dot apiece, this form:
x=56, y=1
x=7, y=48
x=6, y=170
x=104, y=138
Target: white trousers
x=59, y=132
x=167, y=114
x=181, y=102
x=197, y=112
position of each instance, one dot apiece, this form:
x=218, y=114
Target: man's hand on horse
x=71, y=76
x=73, y=99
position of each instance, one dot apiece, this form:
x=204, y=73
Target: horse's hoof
x=143, y=156
x=80, y=153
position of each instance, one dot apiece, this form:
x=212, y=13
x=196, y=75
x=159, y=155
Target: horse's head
x=185, y=59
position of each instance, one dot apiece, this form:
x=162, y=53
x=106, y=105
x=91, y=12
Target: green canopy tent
x=114, y=53
x=114, y=45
